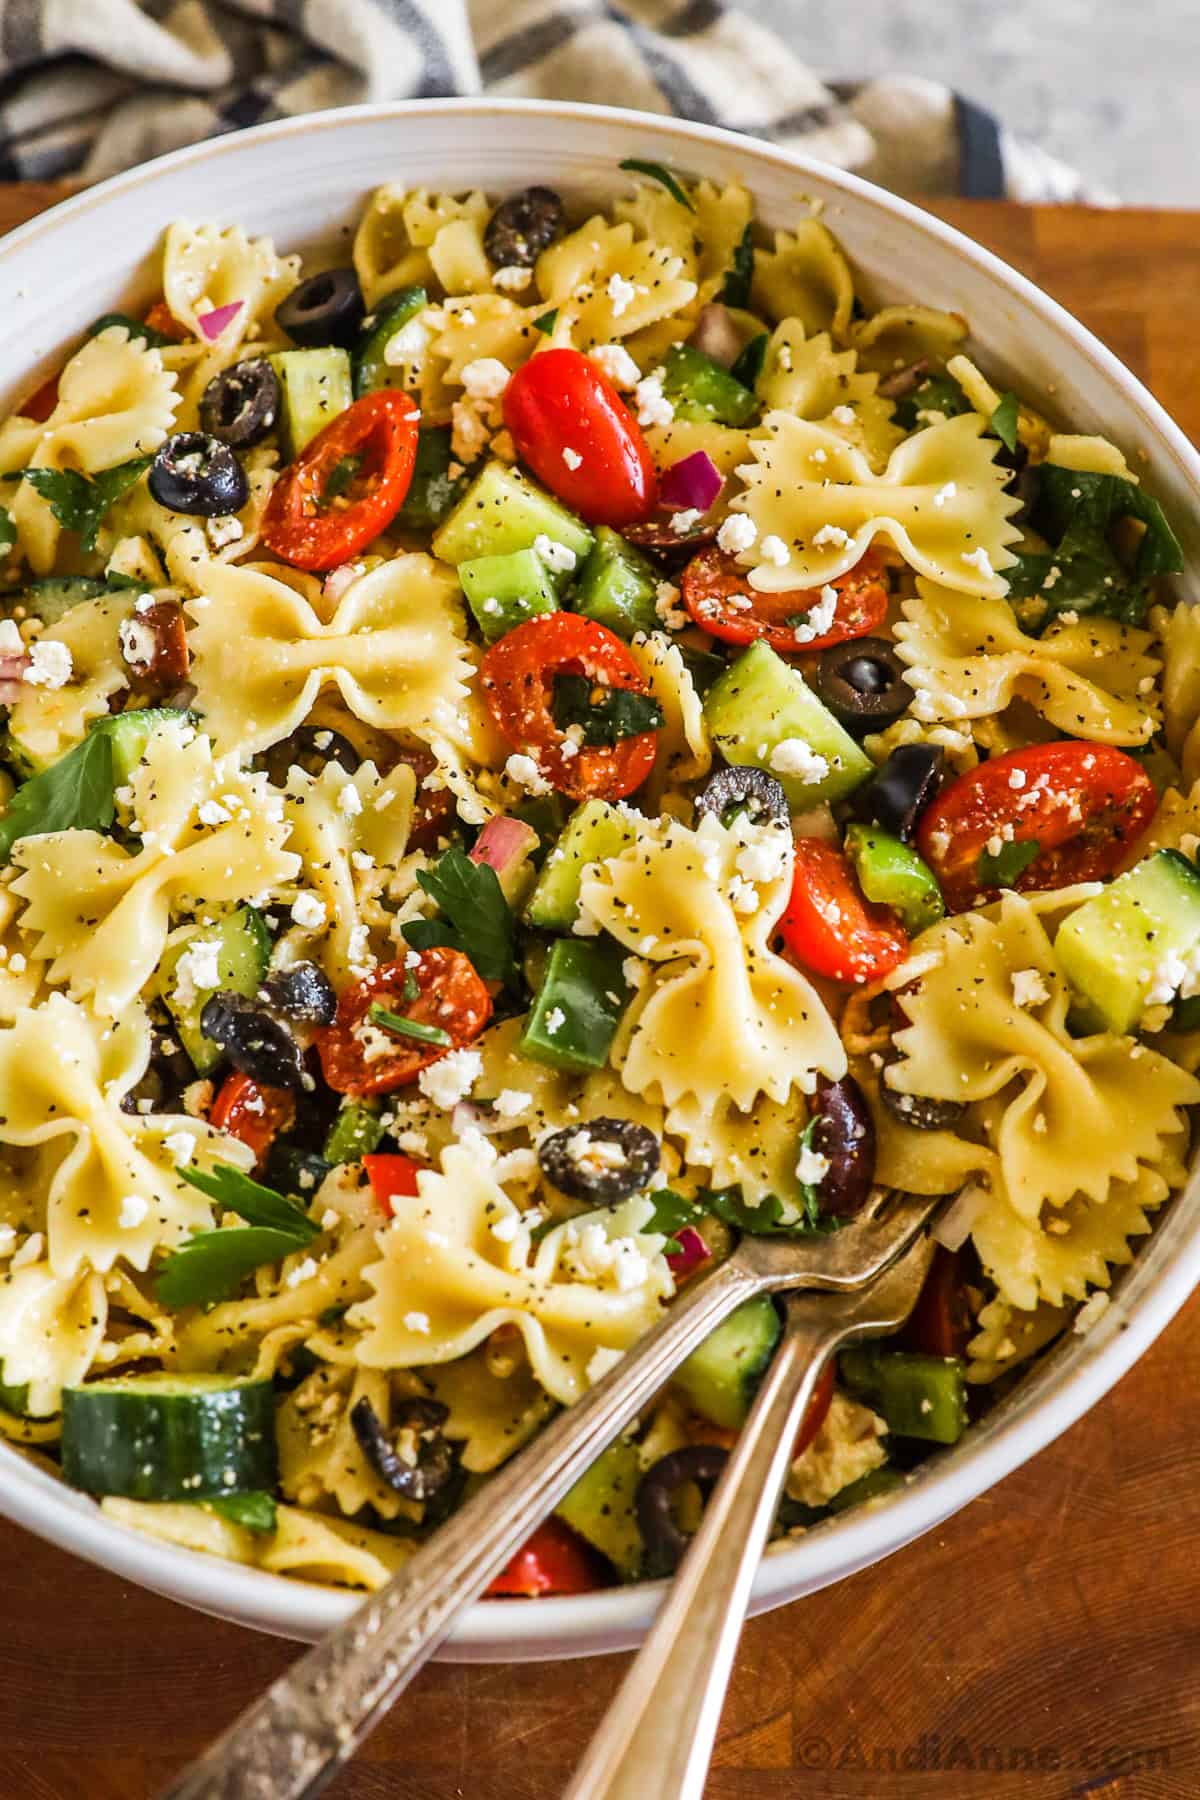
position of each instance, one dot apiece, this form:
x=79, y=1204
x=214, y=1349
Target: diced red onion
x=213, y=323
x=717, y=335
x=691, y=1253
x=339, y=579
x=954, y=1226
x=694, y=481
x=12, y=668
x=503, y=845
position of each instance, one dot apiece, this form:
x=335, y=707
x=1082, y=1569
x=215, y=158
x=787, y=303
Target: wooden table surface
x=1045, y=1642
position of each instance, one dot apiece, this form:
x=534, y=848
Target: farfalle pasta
x=563, y=742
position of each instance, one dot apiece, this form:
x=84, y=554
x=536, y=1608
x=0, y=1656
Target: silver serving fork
x=657, y=1735
x=290, y=1743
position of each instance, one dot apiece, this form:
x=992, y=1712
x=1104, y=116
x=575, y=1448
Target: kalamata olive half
x=603, y=1161
x=256, y=1043
x=310, y=747
x=900, y=789
x=326, y=309
x=197, y=474
x=740, y=788
x=168, y=1072
x=412, y=1456
x=523, y=226
x=241, y=404
x=302, y=992
x=655, y=1501
x=862, y=683
x=921, y=1111
x=845, y=1135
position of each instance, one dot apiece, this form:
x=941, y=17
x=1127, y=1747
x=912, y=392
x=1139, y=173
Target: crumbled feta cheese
x=11, y=641
x=350, y=800
x=1017, y=779
x=525, y=771
x=682, y=522
x=511, y=278
x=180, y=1147
x=309, y=912
x=774, y=550
x=1029, y=988
x=600, y=1362
x=615, y=361
x=653, y=406
x=451, y=1078
x=571, y=457
x=843, y=415
x=666, y=605
x=979, y=559
x=211, y=812
x=469, y=428
x=556, y=1018
x=1071, y=617
x=811, y=1166
x=560, y=559
x=417, y=1322
x=227, y=529
x=49, y=664
x=373, y=1041
x=767, y=856
x=17, y=963
x=634, y=971
x=505, y=1228
x=330, y=1218
x=819, y=618
x=137, y=641
x=133, y=1210
x=197, y=971
x=510, y=1103
x=743, y=895
x=947, y=492
x=737, y=533
x=1173, y=977
x=622, y=293
x=830, y=534
x=792, y=756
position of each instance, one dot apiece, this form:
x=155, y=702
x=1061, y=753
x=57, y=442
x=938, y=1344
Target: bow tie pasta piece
x=917, y=1162
x=726, y=1015
x=808, y=377
x=1086, y=1111
x=206, y=267
x=51, y=1327
x=261, y=654
x=1175, y=826
x=481, y=325
x=1094, y=679
x=116, y=402
x=704, y=238
x=940, y=502
x=606, y=287
x=114, y=1191
x=320, y=1457
x=684, y=747
x=1178, y=632
x=1006, y=1335
x=490, y=1414
x=45, y=722
x=806, y=277
x=897, y=335
x=755, y=1150
x=386, y=256
x=211, y=837
x=447, y=1279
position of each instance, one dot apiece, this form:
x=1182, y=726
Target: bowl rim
x=616, y=1618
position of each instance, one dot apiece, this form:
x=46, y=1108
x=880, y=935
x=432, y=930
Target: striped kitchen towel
x=92, y=86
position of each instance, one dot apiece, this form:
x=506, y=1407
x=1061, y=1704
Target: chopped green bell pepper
x=578, y=1006
x=892, y=874
x=919, y=1396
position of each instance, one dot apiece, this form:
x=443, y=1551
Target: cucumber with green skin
x=1111, y=947
x=371, y=367
x=502, y=511
x=759, y=704
x=315, y=386
x=919, y=1396
x=617, y=586
x=51, y=599
x=504, y=591
x=601, y=1507
x=721, y=1376
x=355, y=1132
x=702, y=389
x=594, y=832
x=170, y=1437
x=243, y=952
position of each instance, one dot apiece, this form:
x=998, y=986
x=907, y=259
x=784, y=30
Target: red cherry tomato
x=830, y=928
x=449, y=995
x=517, y=677
x=391, y=1177
x=559, y=406
x=554, y=1561
x=720, y=599
x=301, y=527
x=940, y=1322
x=818, y=1407
x=433, y=808
x=1082, y=805
x=252, y=1112
x=42, y=402
x=160, y=318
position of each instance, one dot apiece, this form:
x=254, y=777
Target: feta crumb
x=556, y=1018
x=737, y=533
x=211, y=812
x=571, y=457
x=511, y=278
x=615, y=361
x=666, y=605
x=979, y=559
x=600, y=1362
x=227, y=529
x=485, y=379
x=743, y=895
x=133, y=1210
x=682, y=522
x=505, y=1228
x=1017, y=779
x=622, y=293
x=774, y=550
x=30, y=1251
x=198, y=970
x=792, y=756
x=137, y=641
x=451, y=1078
x=560, y=559
x=945, y=493
x=180, y=1146
x=350, y=801
x=653, y=406
x=309, y=912
x=1029, y=988
x=524, y=770
x=510, y=1103
x=417, y=1322
x=49, y=664
x=634, y=971
x=830, y=534
x=811, y=1166
x=11, y=641
x=843, y=415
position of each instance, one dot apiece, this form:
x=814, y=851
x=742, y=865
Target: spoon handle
x=292, y=1741
x=657, y=1735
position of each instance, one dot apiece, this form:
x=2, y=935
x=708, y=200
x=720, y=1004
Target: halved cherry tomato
x=1081, y=804
x=392, y=1177
x=517, y=677
x=559, y=406
x=433, y=808
x=554, y=1561
x=42, y=402
x=252, y=1112
x=381, y=430
x=450, y=995
x=940, y=1322
x=830, y=928
x=166, y=659
x=720, y=599
x=160, y=318
x=815, y=1411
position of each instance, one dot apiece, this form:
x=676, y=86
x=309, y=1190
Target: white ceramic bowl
x=300, y=180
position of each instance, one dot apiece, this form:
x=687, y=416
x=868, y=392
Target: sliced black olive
x=198, y=474
x=292, y=1170
x=862, y=683
x=241, y=404
x=522, y=227
x=655, y=1501
x=310, y=747
x=900, y=789
x=326, y=309
x=256, y=1043
x=603, y=1161
x=302, y=992
x=844, y=1133
x=412, y=1457
x=740, y=788
x=920, y=1111
x=168, y=1072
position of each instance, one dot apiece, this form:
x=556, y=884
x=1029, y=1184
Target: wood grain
x=1042, y=1645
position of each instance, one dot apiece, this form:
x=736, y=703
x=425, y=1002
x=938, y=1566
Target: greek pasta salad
x=529, y=754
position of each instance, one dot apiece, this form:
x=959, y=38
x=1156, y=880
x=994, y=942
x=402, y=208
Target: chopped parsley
x=659, y=172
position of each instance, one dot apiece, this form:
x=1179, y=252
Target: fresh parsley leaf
x=1089, y=519
x=763, y=1220
x=137, y=328
x=1004, y=421
x=748, y=366
x=257, y=1204
x=410, y=1028
x=8, y=531
x=252, y=1511
x=79, y=504
x=672, y=1212
x=810, y=1191
x=75, y=793
x=736, y=288
x=118, y=582
x=547, y=321
x=936, y=394
x=660, y=173
x=341, y=478
x=1002, y=870
x=618, y=713
x=212, y=1265
x=475, y=915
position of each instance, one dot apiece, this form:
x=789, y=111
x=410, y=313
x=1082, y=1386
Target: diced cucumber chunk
x=433, y=491
x=700, y=388
x=578, y=1006
x=892, y=874
x=503, y=511
x=130, y=732
x=594, y=832
x=49, y=600
x=871, y=1486
x=371, y=367
x=1111, y=947
x=546, y=814
x=601, y=1507
x=759, y=704
x=503, y=591
x=316, y=387
x=15, y=1399
x=720, y=1378
x=170, y=1437
x=355, y=1132
x=919, y=1396
x=617, y=586
x=243, y=952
